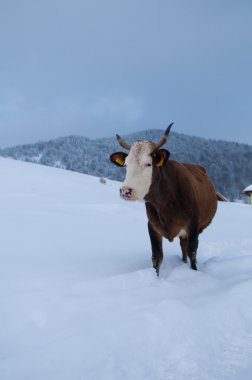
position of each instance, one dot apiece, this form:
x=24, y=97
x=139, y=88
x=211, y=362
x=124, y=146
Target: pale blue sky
x=96, y=68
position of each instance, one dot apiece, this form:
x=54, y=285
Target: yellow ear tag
x=120, y=161
x=160, y=163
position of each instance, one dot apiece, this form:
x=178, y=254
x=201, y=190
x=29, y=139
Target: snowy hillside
x=228, y=164
x=80, y=301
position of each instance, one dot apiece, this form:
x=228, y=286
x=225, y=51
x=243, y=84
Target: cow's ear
x=160, y=157
x=118, y=158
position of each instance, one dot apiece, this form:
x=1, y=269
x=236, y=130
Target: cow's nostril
x=125, y=192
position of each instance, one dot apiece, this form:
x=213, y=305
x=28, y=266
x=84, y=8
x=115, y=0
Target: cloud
x=91, y=67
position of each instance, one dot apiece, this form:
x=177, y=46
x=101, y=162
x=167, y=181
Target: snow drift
x=79, y=299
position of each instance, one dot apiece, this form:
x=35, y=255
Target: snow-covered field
x=80, y=301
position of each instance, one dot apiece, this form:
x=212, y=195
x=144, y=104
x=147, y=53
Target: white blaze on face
x=138, y=170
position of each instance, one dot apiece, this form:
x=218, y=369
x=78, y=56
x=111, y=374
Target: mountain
x=79, y=297
x=228, y=164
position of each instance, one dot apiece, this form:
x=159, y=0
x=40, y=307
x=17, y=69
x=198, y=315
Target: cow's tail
x=221, y=197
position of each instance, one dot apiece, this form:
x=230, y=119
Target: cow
x=180, y=198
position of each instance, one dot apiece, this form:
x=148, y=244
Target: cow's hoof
x=193, y=266
x=156, y=269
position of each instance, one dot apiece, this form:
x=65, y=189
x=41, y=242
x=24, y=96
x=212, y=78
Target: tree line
x=229, y=164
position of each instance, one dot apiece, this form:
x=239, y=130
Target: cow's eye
x=148, y=164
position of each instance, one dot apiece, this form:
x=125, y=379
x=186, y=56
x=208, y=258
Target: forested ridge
x=229, y=164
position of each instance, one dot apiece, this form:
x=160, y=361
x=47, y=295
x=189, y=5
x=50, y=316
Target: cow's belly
x=166, y=228
x=169, y=232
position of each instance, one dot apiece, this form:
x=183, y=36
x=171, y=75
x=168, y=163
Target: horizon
x=123, y=135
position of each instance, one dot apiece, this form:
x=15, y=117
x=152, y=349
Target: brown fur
x=181, y=197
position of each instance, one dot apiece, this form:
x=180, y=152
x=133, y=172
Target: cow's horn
x=122, y=142
x=165, y=137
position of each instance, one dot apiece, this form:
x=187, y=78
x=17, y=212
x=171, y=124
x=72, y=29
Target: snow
x=79, y=299
x=248, y=188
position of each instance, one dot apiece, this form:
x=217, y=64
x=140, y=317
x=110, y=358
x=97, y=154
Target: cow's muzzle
x=126, y=193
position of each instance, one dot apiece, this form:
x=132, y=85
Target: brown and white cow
x=180, y=198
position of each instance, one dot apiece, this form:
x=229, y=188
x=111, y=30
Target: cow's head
x=144, y=156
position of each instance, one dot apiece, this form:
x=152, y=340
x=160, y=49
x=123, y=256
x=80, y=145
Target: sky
x=95, y=68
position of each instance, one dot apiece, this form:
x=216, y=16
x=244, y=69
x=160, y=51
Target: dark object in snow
x=102, y=180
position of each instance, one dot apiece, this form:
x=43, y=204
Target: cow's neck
x=163, y=186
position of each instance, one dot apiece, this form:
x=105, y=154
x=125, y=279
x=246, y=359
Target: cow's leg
x=184, y=247
x=193, y=242
x=157, y=249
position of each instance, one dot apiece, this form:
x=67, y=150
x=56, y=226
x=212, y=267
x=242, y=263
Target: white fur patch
x=182, y=233
x=139, y=174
